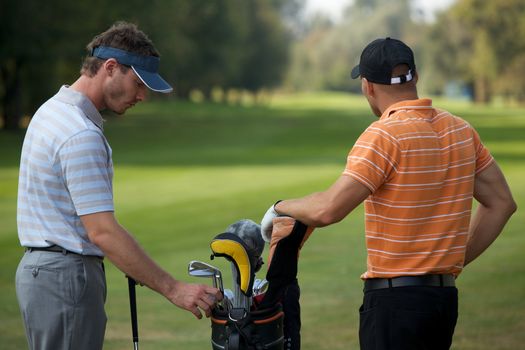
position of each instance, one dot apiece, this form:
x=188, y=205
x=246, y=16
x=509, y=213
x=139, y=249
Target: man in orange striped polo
x=417, y=169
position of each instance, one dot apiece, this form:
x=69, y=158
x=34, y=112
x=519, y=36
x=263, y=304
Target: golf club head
x=198, y=268
x=256, y=285
x=262, y=287
x=250, y=233
x=201, y=269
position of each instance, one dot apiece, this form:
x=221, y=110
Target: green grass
x=184, y=172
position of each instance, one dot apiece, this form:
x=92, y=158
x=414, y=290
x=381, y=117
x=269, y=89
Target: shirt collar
x=78, y=99
x=420, y=104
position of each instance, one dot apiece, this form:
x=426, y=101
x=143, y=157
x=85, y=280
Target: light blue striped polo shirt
x=65, y=171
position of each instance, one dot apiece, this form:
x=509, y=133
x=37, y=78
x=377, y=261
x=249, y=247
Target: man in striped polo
x=65, y=201
x=417, y=169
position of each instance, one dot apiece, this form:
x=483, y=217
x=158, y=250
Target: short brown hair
x=121, y=35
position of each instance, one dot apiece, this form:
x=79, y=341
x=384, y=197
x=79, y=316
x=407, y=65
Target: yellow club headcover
x=234, y=249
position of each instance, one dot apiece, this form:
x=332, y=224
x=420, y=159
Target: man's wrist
x=169, y=286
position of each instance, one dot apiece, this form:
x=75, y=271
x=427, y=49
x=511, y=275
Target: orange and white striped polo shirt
x=419, y=163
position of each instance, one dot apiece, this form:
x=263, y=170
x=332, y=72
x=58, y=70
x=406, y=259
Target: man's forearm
x=310, y=210
x=124, y=251
x=324, y=208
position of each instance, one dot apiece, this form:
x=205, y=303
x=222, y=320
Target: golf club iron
x=259, y=287
x=198, y=268
x=239, y=299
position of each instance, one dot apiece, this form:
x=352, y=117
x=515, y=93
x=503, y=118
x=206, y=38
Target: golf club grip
x=133, y=309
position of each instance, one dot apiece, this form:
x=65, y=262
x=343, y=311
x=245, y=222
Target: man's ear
x=367, y=87
x=110, y=65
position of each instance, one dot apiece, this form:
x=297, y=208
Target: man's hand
x=267, y=223
x=192, y=297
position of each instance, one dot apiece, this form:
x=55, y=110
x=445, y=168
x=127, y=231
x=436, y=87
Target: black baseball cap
x=379, y=59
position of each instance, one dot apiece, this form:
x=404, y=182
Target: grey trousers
x=61, y=299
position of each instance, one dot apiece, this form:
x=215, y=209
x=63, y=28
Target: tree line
x=204, y=44
x=474, y=43
x=262, y=44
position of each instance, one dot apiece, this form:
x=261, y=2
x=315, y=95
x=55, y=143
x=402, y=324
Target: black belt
x=411, y=281
x=57, y=249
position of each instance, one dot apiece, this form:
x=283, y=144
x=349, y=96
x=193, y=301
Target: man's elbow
x=506, y=208
x=509, y=204
x=504, y=204
x=326, y=217
x=512, y=207
x=99, y=236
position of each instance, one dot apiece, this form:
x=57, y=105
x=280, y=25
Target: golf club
x=260, y=287
x=133, y=309
x=198, y=268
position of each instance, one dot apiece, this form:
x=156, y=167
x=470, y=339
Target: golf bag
x=273, y=321
x=254, y=330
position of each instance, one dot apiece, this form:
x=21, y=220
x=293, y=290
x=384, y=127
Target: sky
x=334, y=8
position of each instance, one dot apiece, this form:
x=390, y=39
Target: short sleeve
x=374, y=157
x=86, y=165
x=483, y=156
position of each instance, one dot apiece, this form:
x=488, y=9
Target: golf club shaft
x=236, y=288
x=218, y=277
x=133, y=309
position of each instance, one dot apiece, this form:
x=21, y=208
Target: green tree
x=41, y=45
x=240, y=44
x=324, y=57
x=266, y=49
x=201, y=41
x=482, y=43
x=203, y=44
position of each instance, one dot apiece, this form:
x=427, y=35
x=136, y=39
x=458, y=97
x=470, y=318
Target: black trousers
x=408, y=318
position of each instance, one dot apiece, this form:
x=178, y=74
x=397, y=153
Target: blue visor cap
x=146, y=67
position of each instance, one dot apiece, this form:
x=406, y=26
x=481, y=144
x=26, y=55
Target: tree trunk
x=482, y=92
x=11, y=101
